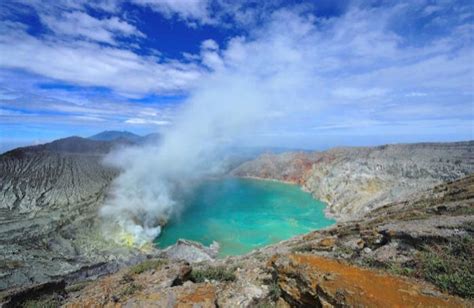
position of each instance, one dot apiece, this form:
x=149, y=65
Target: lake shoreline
x=243, y=214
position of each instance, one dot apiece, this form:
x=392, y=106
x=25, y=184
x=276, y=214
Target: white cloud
x=89, y=118
x=50, y=6
x=210, y=55
x=225, y=14
x=363, y=56
x=354, y=55
x=82, y=25
x=416, y=94
x=30, y=108
x=358, y=93
x=141, y=121
x=90, y=64
x=190, y=10
x=209, y=45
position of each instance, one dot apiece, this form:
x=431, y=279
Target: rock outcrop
x=354, y=181
x=191, y=251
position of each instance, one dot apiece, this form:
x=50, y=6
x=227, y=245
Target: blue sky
x=342, y=72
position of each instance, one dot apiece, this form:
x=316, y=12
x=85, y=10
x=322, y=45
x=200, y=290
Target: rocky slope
x=354, y=181
x=418, y=252
x=49, y=200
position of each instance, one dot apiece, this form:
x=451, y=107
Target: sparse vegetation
x=391, y=267
x=130, y=289
x=127, y=278
x=450, y=267
x=146, y=266
x=42, y=302
x=274, y=291
x=77, y=286
x=218, y=273
x=265, y=304
x=469, y=226
x=344, y=250
x=398, y=269
x=303, y=248
x=372, y=262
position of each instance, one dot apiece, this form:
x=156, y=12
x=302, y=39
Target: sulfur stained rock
x=326, y=244
x=313, y=281
x=199, y=295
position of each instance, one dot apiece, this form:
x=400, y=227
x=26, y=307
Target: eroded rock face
x=50, y=195
x=354, y=181
x=313, y=281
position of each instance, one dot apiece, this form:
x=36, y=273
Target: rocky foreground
x=405, y=236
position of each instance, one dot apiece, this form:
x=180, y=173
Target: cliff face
x=37, y=181
x=50, y=195
x=354, y=181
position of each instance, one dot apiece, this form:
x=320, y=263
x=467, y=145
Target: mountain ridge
x=110, y=135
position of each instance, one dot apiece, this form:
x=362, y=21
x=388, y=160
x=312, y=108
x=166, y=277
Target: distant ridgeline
x=111, y=135
x=99, y=143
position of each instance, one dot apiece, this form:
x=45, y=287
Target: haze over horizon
x=352, y=72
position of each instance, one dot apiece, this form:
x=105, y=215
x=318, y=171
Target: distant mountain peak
x=110, y=135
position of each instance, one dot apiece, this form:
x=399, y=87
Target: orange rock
x=203, y=295
x=328, y=242
x=309, y=280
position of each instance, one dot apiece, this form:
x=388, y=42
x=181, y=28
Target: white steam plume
x=252, y=81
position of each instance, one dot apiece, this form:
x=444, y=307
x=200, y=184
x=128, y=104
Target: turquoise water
x=244, y=214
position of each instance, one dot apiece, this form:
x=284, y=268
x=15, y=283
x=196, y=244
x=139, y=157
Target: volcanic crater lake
x=244, y=214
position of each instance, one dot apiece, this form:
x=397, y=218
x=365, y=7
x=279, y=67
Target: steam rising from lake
x=253, y=81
